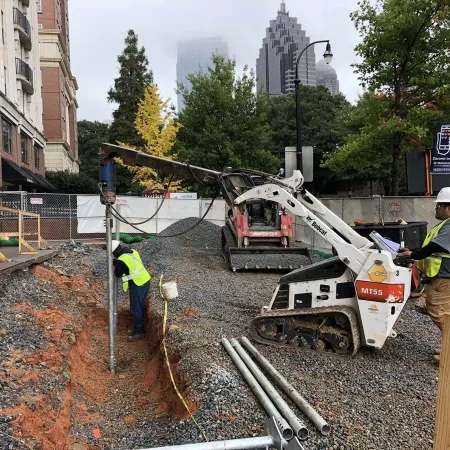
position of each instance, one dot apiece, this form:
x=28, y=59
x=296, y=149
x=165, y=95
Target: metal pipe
x=297, y=425
x=110, y=292
x=115, y=295
x=234, y=444
x=303, y=405
x=298, y=113
x=286, y=431
x=116, y=280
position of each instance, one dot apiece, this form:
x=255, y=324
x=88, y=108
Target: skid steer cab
x=337, y=305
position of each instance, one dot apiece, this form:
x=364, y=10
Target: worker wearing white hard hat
x=433, y=262
x=128, y=265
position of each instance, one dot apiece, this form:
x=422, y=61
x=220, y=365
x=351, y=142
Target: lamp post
x=327, y=56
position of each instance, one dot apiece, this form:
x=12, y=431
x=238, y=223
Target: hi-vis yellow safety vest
x=138, y=273
x=430, y=266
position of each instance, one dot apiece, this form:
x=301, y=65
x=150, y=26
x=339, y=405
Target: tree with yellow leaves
x=156, y=126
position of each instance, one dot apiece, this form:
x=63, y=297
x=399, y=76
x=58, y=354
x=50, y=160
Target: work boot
x=136, y=337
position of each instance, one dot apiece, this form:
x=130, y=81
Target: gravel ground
x=379, y=400
x=21, y=335
x=376, y=400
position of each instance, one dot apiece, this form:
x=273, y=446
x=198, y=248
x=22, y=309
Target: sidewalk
x=22, y=261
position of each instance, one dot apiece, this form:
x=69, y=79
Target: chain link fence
x=66, y=217
x=60, y=214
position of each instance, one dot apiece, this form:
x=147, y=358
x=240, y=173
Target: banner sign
x=440, y=155
x=184, y=195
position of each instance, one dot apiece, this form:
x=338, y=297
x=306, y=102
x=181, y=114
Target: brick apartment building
x=22, y=141
x=59, y=86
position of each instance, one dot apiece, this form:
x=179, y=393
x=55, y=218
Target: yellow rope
x=168, y=362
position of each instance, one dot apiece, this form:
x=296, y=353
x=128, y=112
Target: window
x=6, y=136
x=3, y=27
x=24, y=148
x=39, y=6
x=37, y=157
x=6, y=80
x=40, y=26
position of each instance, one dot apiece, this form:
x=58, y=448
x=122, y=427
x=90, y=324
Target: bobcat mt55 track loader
x=338, y=304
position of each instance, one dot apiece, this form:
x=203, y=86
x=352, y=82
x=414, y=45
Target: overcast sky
x=98, y=29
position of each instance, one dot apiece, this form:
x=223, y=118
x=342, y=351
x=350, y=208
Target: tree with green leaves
x=72, y=183
x=323, y=125
x=405, y=68
x=90, y=136
x=224, y=120
x=366, y=155
x=134, y=77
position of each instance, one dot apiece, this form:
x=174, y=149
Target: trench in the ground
x=91, y=400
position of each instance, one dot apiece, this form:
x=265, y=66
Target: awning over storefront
x=45, y=183
x=12, y=173
x=40, y=181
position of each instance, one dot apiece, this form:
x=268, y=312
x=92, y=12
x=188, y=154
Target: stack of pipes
x=275, y=406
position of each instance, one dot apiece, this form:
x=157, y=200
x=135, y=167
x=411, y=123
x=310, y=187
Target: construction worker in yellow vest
x=433, y=262
x=135, y=278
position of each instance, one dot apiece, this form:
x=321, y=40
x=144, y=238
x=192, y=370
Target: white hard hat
x=443, y=196
x=114, y=245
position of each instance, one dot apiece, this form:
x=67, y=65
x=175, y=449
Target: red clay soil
x=77, y=354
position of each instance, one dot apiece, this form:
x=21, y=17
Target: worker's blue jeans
x=138, y=306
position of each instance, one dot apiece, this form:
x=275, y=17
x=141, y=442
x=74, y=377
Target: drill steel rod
x=116, y=280
x=285, y=429
x=299, y=427
x=110, y=292
x=115, y=294
x=302, y=404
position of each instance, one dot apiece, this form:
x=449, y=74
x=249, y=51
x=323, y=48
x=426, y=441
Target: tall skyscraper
x=194, y=56
x=326, y=76
x=275, y=66
x=22, y=140
x=59, y=86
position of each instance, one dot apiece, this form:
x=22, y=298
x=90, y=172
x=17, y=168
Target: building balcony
x=22, y=25
x=25, y=75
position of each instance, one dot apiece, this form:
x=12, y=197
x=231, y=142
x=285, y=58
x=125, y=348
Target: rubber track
x=231, y=243
x=349, y=312
x=229, y=238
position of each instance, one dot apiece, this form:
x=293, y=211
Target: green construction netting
x=127, y=239
x=9, y=242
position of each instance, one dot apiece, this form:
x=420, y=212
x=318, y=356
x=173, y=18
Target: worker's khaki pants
x=438, y=300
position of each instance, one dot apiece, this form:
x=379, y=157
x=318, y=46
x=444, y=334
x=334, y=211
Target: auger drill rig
x=338, y=304
x=258, y=233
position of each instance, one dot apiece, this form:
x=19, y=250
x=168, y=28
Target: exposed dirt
x=68, y=398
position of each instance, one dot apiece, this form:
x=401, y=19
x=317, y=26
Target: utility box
x=412, y=233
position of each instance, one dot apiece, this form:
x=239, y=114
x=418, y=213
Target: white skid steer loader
x=338, y=304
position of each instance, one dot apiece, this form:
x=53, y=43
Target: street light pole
x=327, y=57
